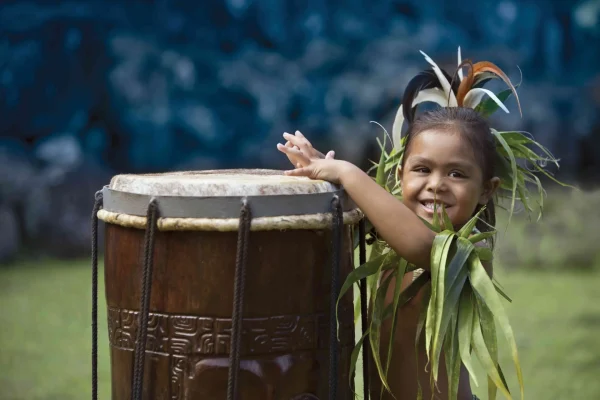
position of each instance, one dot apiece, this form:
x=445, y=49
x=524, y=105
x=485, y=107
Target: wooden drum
x=192, y=255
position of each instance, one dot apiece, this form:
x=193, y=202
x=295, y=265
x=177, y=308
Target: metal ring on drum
x=284, y=346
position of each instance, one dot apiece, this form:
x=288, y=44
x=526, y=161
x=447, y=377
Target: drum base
x=285, y=326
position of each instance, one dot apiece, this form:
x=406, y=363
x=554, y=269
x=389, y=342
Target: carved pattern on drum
x=184, y=334
x=121, y=328
x=158, y=335
x=223, y=335
x=178, y=364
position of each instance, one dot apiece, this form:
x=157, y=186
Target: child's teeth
x=431, y=205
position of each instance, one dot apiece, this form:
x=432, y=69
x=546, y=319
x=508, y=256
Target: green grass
x=45, y=336
x=555, y=317
x=565, y=237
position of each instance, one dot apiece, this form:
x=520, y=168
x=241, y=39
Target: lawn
x=45, y=340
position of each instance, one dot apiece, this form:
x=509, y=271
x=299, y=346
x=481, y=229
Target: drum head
x=211, y=183
x=195, y=200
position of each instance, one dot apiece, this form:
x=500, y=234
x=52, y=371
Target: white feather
x=460, y=72
x=433, y=95
x=397, y=128
x=443, y=81
x=474, y=97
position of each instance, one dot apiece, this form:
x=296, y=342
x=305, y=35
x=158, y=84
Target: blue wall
x=89, y=89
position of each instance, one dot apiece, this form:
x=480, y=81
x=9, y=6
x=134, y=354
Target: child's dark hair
x=473, y=127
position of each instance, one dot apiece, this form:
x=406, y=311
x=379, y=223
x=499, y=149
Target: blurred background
x=90, y=89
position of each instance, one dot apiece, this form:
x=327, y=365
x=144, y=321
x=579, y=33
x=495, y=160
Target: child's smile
x=441, y=166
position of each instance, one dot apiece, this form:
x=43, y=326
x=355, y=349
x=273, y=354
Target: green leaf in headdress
x=488, y=106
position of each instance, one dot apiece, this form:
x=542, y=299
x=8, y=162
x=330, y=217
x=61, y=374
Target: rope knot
x=336, y=202
x=99, y=196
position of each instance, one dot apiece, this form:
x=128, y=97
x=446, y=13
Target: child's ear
x=489, y=189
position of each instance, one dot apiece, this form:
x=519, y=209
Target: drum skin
x=285, y=325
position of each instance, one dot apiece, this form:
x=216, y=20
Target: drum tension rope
x=238, y=300
x=140, y=343
x=98, y=200
x=362, y=257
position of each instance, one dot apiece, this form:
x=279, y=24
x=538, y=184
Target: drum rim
x=224, y=207
x=294, y=222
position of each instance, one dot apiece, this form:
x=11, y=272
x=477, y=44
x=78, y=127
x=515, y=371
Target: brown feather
x=482, y=78
x=486, y=66
x=466, y=83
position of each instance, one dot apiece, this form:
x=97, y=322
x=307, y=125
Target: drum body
x=284, y=344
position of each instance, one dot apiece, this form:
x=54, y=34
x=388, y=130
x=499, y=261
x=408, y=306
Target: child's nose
x=436, y=182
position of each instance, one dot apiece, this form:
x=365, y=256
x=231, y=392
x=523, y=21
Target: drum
x=230, y=271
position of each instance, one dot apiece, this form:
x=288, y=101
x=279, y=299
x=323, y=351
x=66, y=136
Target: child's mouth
x=429, y=206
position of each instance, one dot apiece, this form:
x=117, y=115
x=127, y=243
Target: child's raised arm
x=395, y=223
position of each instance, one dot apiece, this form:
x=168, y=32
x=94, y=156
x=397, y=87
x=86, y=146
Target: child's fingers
x=295, y=153
x=301, y=142
x=289, y=144
x=330, y=155
x=299, y=172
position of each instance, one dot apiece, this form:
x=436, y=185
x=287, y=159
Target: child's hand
x=302, y=144
x=310, y=162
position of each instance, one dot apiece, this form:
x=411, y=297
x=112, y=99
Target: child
x=449, y=153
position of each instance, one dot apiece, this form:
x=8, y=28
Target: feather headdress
x=467, y=90
x=437, y=86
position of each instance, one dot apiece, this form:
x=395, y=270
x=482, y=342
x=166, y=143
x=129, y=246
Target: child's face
x=444, y=161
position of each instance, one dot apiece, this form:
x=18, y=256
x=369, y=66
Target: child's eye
x=456, y=174
x=421, y=169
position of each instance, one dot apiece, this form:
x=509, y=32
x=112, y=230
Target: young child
x=446, y=155
x=449, y=153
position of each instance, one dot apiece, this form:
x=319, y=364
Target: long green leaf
x=467, y=228
x=382, y=262
x=488, y=329
x=520, y=138
x=513, y=165
x=430, y=226
x=465, y=329
x=456, y=275
x=502, y=293
x=436, y=218
x=447, y=222
x=375, y=329
x=484, y=253
x=484, y=287
x=548, y=175
x=451, y=348
x=485, y=358
x=426, y=300
x=541, y=192
x=489, y=106
x=439, y=255
x=380, y=177
x=354, y=356
x=516, y=137
x=478, y=237
x=400, y=271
